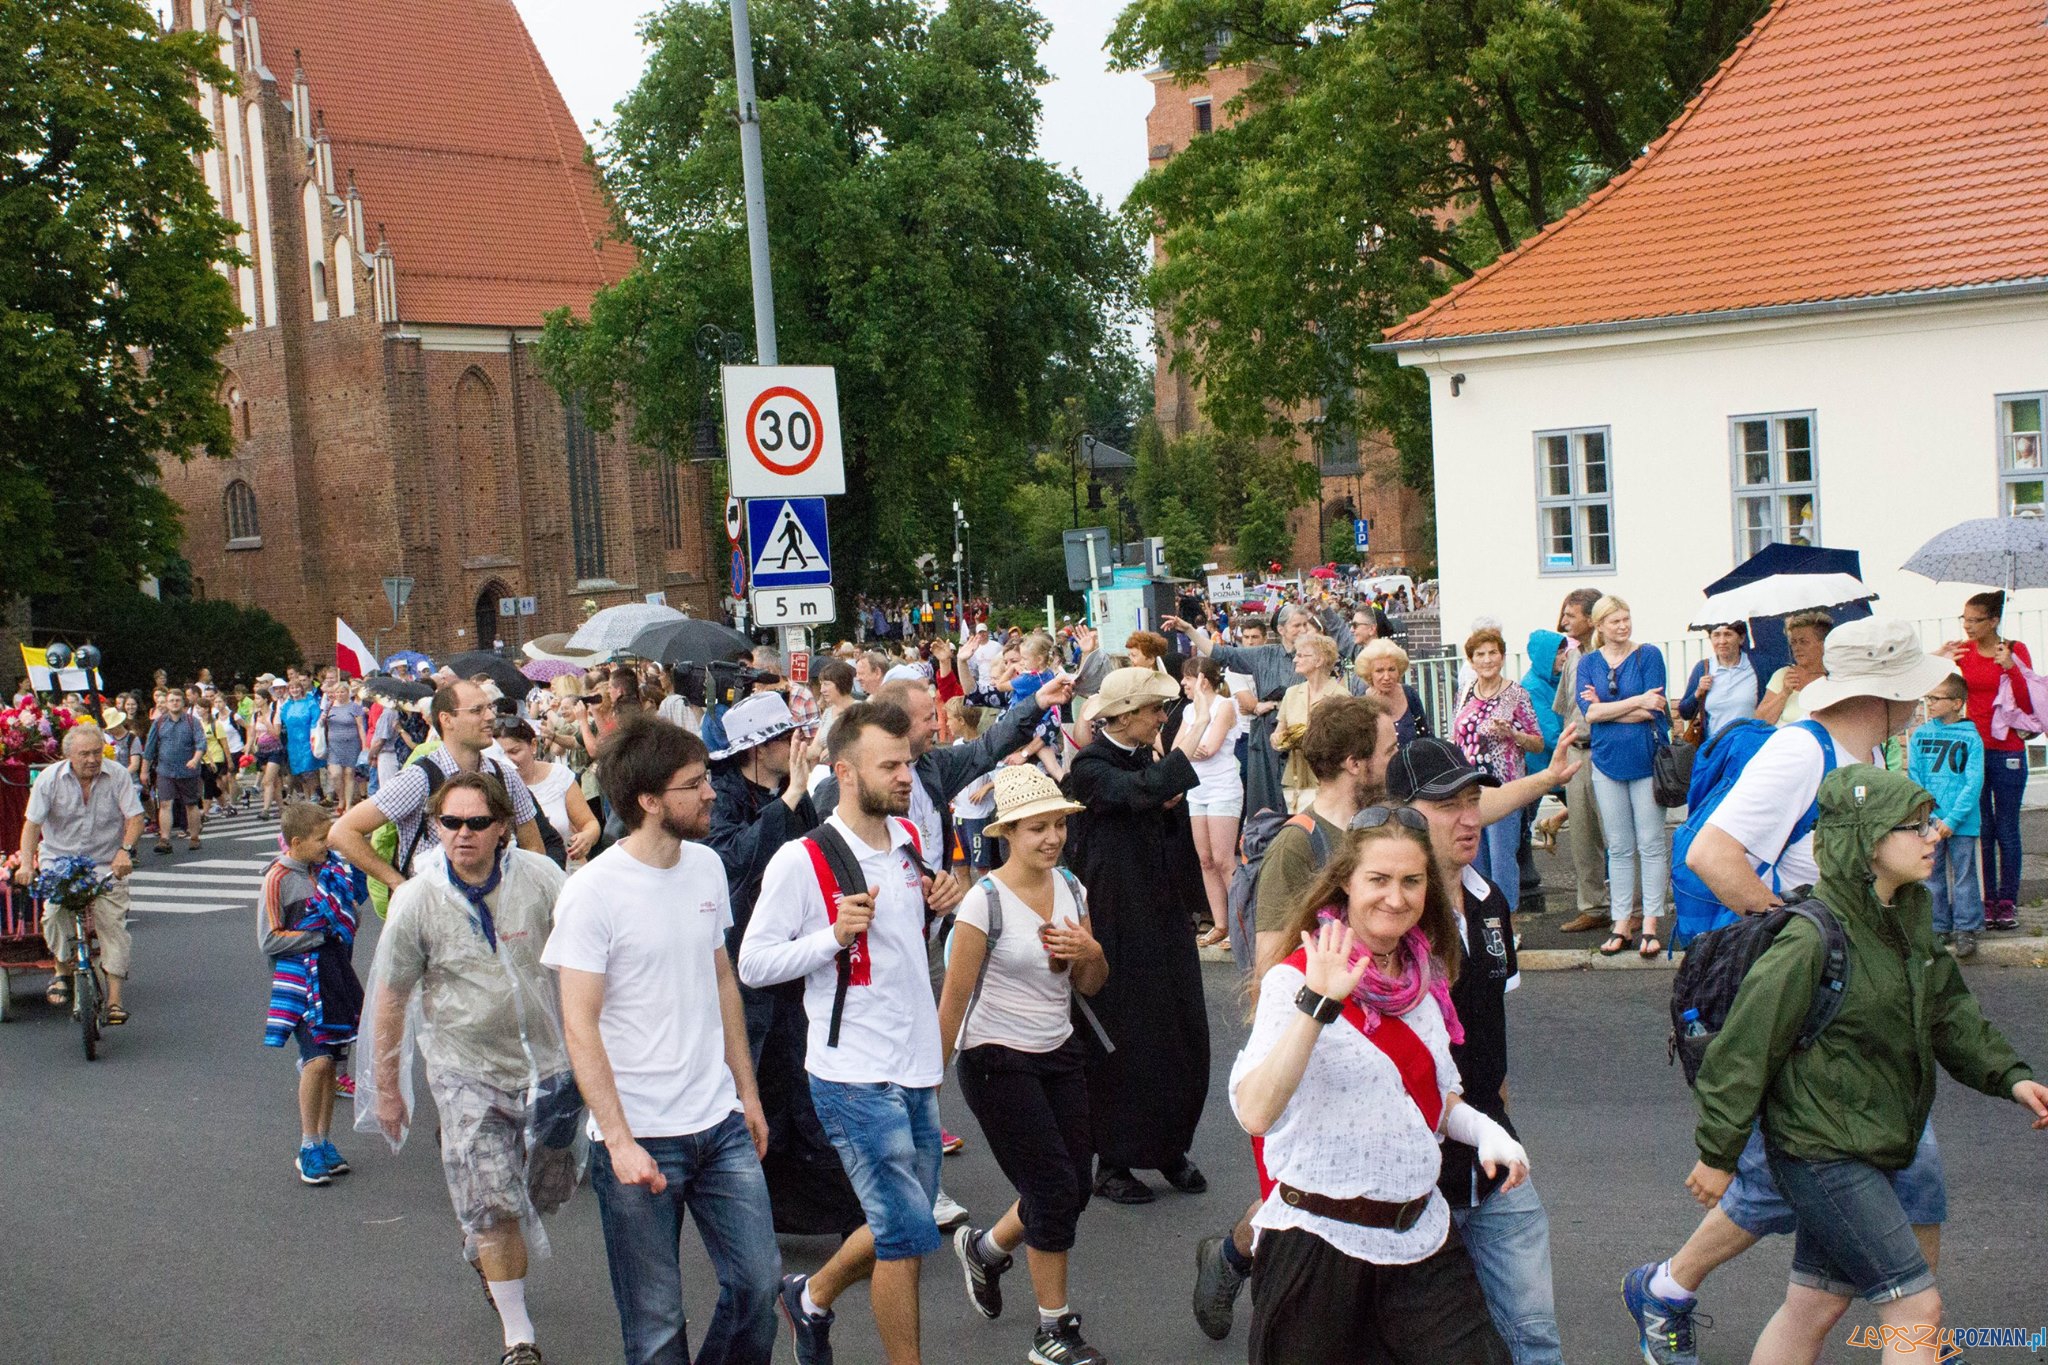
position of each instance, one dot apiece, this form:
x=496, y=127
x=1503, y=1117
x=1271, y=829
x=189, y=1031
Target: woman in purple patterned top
x=1496, y=729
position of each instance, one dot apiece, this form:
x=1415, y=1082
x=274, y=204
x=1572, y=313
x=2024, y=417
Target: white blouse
x=1350, y=1129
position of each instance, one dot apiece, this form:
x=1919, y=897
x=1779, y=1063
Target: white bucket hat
x=754, y=721
x=1023, y=791
x=1127, y=689
x=1874, y=657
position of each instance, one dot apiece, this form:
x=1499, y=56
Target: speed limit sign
x=782, y=431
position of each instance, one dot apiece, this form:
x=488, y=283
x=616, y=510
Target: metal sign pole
x=754, y=184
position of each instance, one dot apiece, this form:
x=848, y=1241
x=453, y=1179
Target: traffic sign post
x=791, y=548
x=793, y=606
x=397, y=591
x=1362, y=530
x=782, y=431
x=735, y=520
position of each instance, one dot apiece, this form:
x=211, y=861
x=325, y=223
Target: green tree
x=966, y=290
x=1340, y=540
x=1262, y=536
x=1383, y=152
x=111, y=311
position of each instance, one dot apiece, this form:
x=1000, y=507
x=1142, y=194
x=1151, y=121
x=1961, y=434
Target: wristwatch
x=1321, y=1008
x=129, y=849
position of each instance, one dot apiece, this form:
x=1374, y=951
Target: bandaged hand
x=1497, y=1149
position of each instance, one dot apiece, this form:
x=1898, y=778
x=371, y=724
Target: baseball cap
x=1431, y=769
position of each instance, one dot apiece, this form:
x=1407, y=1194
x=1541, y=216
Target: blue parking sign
x=1361, y=529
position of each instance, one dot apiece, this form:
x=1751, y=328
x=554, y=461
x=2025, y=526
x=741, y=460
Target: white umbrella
x=1997, y=552
x=1781, y=595
x=556, y=648
x=614, y=628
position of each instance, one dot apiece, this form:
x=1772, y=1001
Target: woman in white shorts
x=1209, y=728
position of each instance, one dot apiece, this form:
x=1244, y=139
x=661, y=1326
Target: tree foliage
x=967, y=291
x=138, y=634
x=1383, y=151
x=1262, y=536
x=111, y=311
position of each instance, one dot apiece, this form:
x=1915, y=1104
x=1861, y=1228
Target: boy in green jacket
x=1843, y=1117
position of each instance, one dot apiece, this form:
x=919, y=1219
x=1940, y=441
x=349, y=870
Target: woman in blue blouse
x=297, y=716
x=1729, y=685
x=1621, y=686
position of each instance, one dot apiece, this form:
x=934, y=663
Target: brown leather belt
x=1365, y=1213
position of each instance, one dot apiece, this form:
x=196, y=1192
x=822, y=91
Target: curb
x=1991, y=952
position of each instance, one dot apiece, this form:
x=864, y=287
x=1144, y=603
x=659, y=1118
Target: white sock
x=1668, y=1289
x=809, y=1304
x=510, y=1297
x=988, y=1249
x=1049, y=1317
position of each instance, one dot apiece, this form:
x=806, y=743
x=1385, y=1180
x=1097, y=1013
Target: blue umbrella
x=1767, y=633
x=411, y=658
x=1997, y=552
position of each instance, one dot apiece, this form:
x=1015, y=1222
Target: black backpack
x=1715, y=964
x=550, y=838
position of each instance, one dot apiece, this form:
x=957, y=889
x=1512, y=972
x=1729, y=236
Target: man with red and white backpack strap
x=846, y=910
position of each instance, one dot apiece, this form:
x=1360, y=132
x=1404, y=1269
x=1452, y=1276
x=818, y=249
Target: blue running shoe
x=1664, y=1328
x=811, y=1336
x=336, y=1164
x=311, y=1164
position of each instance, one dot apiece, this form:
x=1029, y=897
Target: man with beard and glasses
x=656, y=1034
x=846, y=910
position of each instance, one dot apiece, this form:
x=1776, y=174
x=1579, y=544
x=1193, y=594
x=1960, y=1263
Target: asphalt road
x=154, y=1215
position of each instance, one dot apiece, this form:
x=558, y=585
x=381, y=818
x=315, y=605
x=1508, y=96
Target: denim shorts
x=887, y=1137
x=311, y=1051
x=1224, y=808
x=1854, y=1240
x=1753, y=1203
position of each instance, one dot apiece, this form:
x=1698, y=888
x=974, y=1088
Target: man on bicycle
x=77, y=808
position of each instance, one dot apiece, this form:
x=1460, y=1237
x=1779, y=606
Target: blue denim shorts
x=1855, y=1239
x=887, y=1137
x=310, y=1051
x=1753, y=1203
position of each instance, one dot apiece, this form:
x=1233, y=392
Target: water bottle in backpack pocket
x=1711, y=976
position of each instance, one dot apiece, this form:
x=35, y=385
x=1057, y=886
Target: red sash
x=1409, y=1054
x=860, y=965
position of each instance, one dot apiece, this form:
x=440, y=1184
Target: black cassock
x=1136, y=855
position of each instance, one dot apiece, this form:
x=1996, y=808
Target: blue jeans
x=887, y=1137
x=1754, y=1204
x=1854, y=1240
x=716, y=1176
x=1958, y=900
x=1508, y=1238
x=2005, y=782
x=1499, y=860
x=1636, y=844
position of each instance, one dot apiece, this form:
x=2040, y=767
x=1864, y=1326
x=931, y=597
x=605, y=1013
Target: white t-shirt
x=1024, y=1003
x=1776, y=787
x=984, y=661
x=654, y=934
x=969, y=807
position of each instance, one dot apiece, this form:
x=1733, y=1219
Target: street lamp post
x=959, y=566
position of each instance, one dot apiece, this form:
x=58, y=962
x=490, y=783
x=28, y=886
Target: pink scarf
x=1378, y=994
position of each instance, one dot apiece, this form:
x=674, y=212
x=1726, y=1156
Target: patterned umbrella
x=1997, y=552
x=613, y=628
x=545, y=671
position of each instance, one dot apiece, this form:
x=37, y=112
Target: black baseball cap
x=1430, y=769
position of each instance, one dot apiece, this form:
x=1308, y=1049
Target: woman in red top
x=1985, y=658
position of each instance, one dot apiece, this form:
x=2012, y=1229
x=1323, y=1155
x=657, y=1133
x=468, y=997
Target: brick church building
x=413, y=200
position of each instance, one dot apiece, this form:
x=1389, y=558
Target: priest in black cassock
x=1135, y=852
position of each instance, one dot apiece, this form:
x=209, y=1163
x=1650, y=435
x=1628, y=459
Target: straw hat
x=1023, y=791
x=1874, y=657
x=1127, y=689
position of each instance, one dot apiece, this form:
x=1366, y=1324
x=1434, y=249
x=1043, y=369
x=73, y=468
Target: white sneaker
x=947, y=1211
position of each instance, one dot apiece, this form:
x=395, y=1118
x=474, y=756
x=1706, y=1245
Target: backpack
x=1710, y=978
x=1260, y=829
x=833, y=861
x=1714, y=772
x=995, y=931
x=384, y=839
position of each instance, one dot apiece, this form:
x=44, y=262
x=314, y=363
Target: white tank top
x=551, y=794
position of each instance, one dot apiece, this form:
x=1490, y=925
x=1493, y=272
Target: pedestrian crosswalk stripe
x=204, y=893
x=257, y=863
x=154, y=879
x=177, y=908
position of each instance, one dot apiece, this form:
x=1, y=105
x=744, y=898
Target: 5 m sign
x=782, y=431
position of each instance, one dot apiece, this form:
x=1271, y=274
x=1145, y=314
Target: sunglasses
x=476, y=824
x=1372, y=817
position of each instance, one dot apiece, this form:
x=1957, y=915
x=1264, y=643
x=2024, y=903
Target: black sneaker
x=1217, y=1285
x=1119, y=1186
x=521, y=1353
x=1061, y=1344
x=984, y=1277
x=1186, y=1177
x=810, y=1337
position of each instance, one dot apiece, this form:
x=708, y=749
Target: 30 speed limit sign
x=782, y=431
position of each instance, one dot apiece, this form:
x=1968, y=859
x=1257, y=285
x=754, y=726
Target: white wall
x=1905, y=438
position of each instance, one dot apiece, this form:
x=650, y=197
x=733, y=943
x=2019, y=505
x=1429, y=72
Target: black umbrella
x=396, y=689
x=682, y=644
x=499, y=669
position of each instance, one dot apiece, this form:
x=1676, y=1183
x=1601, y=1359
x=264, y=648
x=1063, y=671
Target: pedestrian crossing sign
x=789, y=542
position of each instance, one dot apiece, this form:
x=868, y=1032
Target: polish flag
x=351, y=655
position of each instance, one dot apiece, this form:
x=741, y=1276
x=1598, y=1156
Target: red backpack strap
x=855, y=967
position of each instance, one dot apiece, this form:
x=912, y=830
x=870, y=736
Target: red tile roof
x=1848, y=149
x=462, y=148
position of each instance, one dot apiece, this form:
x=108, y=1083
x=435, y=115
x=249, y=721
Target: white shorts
x=1223, y=808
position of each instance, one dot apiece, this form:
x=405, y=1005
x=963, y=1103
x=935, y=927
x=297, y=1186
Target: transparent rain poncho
x=486, y=1021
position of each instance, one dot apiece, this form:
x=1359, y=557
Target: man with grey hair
x=80, y=808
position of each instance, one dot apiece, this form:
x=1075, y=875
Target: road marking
x=158, y=880
x=177, y=908
x=188, y=893
x=257, y=863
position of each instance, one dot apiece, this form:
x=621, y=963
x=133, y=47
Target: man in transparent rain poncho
x=458, y=973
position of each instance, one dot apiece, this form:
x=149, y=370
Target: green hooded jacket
x=1863, y=1090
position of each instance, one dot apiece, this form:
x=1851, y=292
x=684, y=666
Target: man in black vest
x=1506, y=1233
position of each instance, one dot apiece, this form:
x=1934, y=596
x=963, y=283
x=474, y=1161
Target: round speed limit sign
x=782, y=425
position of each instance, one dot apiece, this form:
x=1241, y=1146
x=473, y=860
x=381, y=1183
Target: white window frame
x=1779, y=487
x=1580, y=502
x=2016, y=447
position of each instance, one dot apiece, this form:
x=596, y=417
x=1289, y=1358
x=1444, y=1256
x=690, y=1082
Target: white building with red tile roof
x=414, y=199
x=1815, y=309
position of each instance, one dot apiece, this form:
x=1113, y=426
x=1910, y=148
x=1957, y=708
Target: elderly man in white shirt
x=79, y=808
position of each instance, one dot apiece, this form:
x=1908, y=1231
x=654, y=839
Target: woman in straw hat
x=1134, y=850
x=1021, y=947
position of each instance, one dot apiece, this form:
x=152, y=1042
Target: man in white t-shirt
x=1758, y=844
x=651, y=1011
